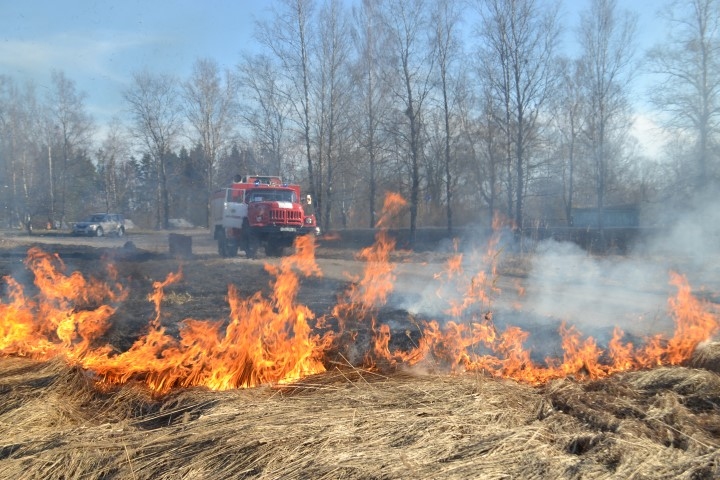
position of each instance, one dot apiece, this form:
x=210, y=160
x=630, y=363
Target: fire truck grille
x=287, y=217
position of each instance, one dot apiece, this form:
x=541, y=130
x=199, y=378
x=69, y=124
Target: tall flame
x=65, y=317
x=265, y=340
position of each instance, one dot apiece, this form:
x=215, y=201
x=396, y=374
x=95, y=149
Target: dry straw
x=355, y=424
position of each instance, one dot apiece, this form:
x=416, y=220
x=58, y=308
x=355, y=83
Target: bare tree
x=371, y=93
x=494, y=70
x=75, y=128
x=156, y=124
x=22, y=173
x=266, y=108
x=520, y=41
x=607, y=42
x=407, y=25
x=209, y=106
x=567, y=119
x=446, y=18
x=288, y=39
x=333, y=96
x=688, y=61
x=111, y=158
x=6, y=159
x=488, y=144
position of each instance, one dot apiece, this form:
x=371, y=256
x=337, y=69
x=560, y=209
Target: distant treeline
x=470, y=112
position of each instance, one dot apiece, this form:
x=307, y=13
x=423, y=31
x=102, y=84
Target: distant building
x=622, y=216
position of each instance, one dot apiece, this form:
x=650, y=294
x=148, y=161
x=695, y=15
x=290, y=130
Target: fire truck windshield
x=268, y=195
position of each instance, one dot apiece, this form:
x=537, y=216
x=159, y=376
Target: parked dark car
x=100, y=224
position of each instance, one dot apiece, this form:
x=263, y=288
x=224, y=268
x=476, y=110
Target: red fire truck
x=259, y=211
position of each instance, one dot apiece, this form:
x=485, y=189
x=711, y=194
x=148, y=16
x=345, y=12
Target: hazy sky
x=99, y=43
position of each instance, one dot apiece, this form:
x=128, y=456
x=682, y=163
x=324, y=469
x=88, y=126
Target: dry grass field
x=122, y=361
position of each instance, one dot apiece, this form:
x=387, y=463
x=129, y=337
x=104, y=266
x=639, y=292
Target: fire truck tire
x=222, y=246
x=252, y=243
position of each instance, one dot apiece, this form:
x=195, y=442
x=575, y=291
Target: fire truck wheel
x=251, y=246
x=222, y=246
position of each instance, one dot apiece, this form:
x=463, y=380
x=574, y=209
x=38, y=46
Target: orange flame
x=275, y=339
x=265, y=341
x=458, y=346
x=66, y=315
x=371, y=290
x=480, y=287
x=393, y=205
x=694, y=322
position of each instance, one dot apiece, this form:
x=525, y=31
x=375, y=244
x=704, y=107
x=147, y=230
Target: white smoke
x=596, y=293
x=564, y=283
x=689, y=240
x=631, y=292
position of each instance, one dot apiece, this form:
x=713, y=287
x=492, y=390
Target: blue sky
x=99, y=43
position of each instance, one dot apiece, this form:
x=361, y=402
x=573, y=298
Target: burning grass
x=275, y=339
x=362, y=391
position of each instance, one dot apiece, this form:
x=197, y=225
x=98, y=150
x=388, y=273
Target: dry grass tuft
x=175, y=298
x=707, y=356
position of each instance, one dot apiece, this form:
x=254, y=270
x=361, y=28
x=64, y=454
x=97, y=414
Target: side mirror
x=308, y=199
